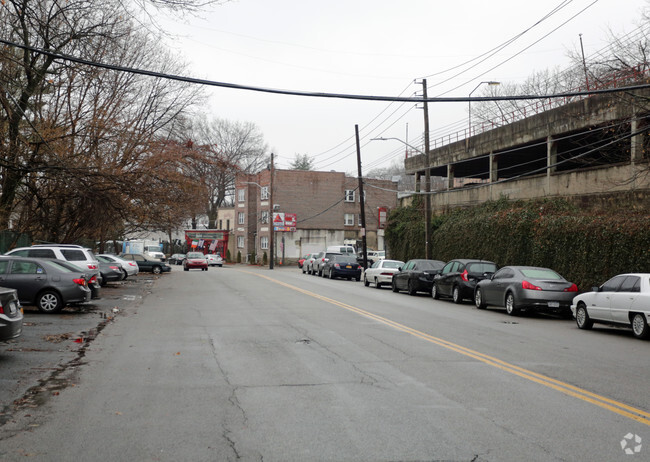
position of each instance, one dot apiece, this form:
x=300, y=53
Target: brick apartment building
x=326, y=207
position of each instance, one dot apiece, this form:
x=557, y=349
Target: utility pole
x=361, y=201
x=271, y=234
x=584, y=63
x=427, y=176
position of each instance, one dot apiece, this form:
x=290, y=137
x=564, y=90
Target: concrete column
x=551, y=156
x=450, y=176
x=494, y=167
x=418, y=182
x=636, y=143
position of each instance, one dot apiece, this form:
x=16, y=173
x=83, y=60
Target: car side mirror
x=399, y=269
x=595, y=289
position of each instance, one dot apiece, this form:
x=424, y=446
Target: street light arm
x=397, y=139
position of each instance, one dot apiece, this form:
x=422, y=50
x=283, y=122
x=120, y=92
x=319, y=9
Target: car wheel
x=126, y=275
x=331, y=275
x=478, y=299
x=411, y=288
x=365, y=281
x=49, y=302
x=186, y=269
x=455, y=295
x=377, y=284
x=511, y=306
x=156, y=269
x=582, y=317
x=640, y=326
x=394, y=287
x=434, y=291
x=319, y=272
x=357, y=278
x=104, y=281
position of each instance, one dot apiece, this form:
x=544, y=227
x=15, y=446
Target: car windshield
x=541, y=273
x=481, y=267
x=195, y=255
x=427, y=265
x=393, y=264
x=345, y=259
x=61, y=266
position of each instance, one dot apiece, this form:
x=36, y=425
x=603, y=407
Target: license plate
x=553, y=304
x=349, y=267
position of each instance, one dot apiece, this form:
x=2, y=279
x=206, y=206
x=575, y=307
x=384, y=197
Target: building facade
x=327, y=211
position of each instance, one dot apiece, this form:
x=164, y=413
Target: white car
x=381, y=272
x=623, y=300
x=129, y=268
x=214, y=260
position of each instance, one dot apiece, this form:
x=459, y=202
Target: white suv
x=79, y=256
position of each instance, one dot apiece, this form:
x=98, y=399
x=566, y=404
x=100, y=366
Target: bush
x=239, y=256
x=228, y=256
x=265, y=259
x=586, y=248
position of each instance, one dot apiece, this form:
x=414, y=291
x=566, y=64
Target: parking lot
x=45, y=358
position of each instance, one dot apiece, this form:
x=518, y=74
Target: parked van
x=342, y=249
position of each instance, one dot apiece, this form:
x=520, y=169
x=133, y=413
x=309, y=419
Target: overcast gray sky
x=377, y=47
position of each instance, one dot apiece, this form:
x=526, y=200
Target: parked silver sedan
x=526, y=287
x=623, y=300
x=129, y=268
x=381, y=272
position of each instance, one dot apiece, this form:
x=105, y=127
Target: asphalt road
x=243, y=363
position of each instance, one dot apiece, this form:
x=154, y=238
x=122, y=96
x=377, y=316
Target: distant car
x=307, y=265
x=129, y=268
x=458, y=278
x=381, y=272
x=319, y=262
x=11, y=314
x=416, y=276
x=302, y=259
x=48, y=284
x=195, y=260
x=623, y=300
x=526, y=287
x=147, y=263
x=342, y=266
x=176, y=259
x=214, y=260
x=110, y=272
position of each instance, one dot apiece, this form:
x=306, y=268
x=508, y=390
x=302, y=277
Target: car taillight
x=464, y=277
x=2, y=310
x=131, y=263
x=529, y=286
x=114, y=268
x=92, y=267
x=92, y=279
x=573, y=288
x=80, y=281
x=336, y=265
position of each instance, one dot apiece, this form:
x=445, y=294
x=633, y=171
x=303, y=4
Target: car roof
x=464, y=261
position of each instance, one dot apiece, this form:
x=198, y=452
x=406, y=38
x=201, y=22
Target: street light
x=397, y=139
x=469, y=108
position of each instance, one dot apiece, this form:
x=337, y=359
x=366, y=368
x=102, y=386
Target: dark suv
x=319, y=262
x=458, y=278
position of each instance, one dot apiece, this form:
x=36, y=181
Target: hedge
x=585, y=247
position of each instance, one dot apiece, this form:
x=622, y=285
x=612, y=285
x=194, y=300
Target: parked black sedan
x=48, y=284
x=110, y=272
x=147, y=263
x=342, y=266
x=458, y=278
x=11, y=314
x=416, y=276
x=526, y=287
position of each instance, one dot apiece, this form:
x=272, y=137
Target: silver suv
x=81, y=257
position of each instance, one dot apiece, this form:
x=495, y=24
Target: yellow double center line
x=623, y=409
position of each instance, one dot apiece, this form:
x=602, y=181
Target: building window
x=241, y=195
x=220, y=224
x=240, y=218
x=265, y=216
x=240, y=242
x=349, y=195
x=228, y=224
x=349, y=219
x=264, y=242
x=264, y=195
